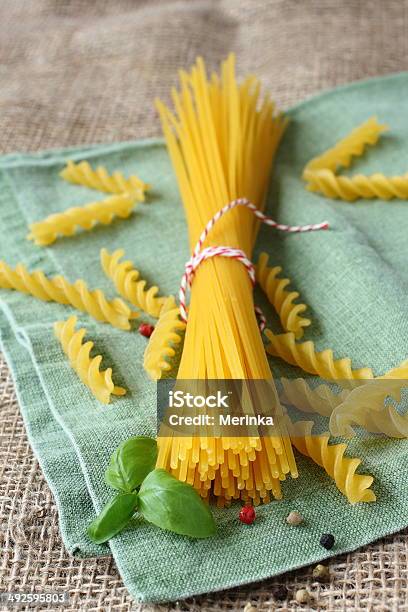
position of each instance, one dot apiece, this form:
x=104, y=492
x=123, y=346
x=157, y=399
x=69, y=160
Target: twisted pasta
x=282, y=300
x=356, y=487
x=321, y=400
x=100, y=179
x=358, y=186
x=304, y=355
x=365, y=407
x=58, y=289
x=341, y=154
x=126, y=280
x=166, y=332
x=87, y=368
x=65, y=223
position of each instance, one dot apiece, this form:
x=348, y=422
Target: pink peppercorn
x=146, y=330
x=247, y=515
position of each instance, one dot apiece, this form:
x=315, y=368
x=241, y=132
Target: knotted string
x=198, y=255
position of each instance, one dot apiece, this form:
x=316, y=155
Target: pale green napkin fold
x=354, y=278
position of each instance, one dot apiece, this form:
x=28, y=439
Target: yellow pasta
x=87, y=368
x=282, y=300
x=320, y=172
x=365, y=407
x=356, y=487
x=159, y=348
x=358, y=186
x=304, y=355
x=128, y=284
x=351, y=146
x=83, y=174
x=222, y=139
x=320, y=400
x=58, y=289
x=86, y=217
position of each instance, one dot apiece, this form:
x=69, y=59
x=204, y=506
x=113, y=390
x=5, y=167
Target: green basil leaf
x=113, y=518
x=130, y=463
x=174, y=505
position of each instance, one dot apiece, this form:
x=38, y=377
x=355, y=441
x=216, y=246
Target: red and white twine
x=199, y=255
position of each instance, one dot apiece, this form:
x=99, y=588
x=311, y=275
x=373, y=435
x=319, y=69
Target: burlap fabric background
x=84, y=71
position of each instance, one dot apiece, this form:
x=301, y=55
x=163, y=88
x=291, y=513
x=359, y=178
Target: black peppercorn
x=327, y=541
x=280, y=593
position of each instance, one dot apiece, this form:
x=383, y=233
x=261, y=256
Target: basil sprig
x=174, y=505
x=113, y=518
x=130, y=463
x=160, y=498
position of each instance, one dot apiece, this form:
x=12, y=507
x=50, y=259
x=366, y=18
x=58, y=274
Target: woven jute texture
x=85, y=71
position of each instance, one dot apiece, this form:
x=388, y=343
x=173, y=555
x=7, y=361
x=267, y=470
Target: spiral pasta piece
x=58, y=289
x=282, y=300
x=166, y=333
x=87, y=367
x=86, y=217
x=320, y=400
x=365, y=407
x=83, y=174
x=356, y=487
x=351, y=146
x=358, y=186
x=304, y=355
x=128, y=284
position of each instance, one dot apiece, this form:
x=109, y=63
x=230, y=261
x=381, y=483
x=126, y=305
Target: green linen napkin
x=354, y=278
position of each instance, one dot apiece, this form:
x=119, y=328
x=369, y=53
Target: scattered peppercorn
x=321, y=572
x=247, y=515
x=280, y=593
x=327, y=541
x=302, y=596
x=294, y=518
x=249, y=607
x=146, y=330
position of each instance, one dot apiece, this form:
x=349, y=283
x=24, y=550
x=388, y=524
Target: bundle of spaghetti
x=58, y=289
x=86, y=217
x=100, y=179
x=222, y=140
x=353, y=145
x=359, y=186
x=167, y=332
x=304, y=355
x=356, y=487
x=130, y=286
x=88, y=368
x=282, y=300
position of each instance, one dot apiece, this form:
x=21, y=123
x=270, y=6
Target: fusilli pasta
x=166, y=332
x=282, y=300
x=321, y=400
x=351, y=146
x=304, y=355
x=365, y=408
x=128, y=284
x=358, y=186
x=83, y=174
x=66, y=223
x=58, y=289
x=356, y=487
x=87, y=368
